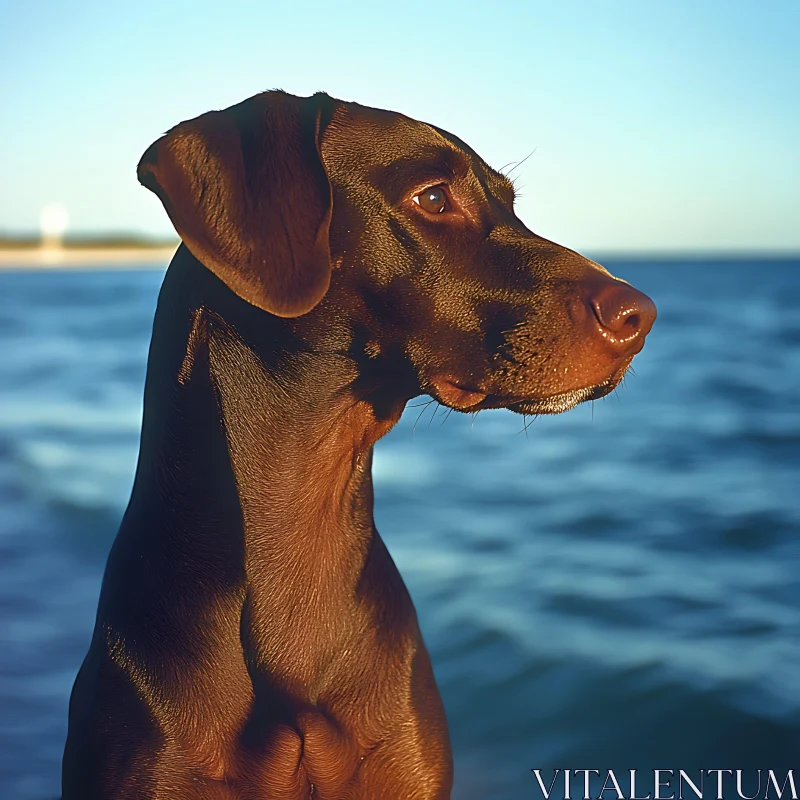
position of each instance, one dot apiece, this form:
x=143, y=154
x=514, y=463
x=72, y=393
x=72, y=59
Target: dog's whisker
x=515, y=327
x=517, y=164
x=534, y=417
x=424, y=407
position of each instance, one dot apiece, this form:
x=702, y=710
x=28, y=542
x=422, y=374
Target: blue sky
x=654, y=125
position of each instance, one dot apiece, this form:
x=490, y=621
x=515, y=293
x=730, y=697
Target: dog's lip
x=463, y=397
x=539, y=404
x=455, y=395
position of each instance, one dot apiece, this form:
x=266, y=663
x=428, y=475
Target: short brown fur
x=254, y=638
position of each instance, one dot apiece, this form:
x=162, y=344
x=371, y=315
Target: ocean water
x=616, y=587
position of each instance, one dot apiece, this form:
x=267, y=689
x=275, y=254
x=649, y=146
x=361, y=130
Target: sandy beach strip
x=45, y=259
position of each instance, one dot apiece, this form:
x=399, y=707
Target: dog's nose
x=625, y=314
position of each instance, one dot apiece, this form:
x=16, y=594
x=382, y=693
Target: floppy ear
x=247, y=191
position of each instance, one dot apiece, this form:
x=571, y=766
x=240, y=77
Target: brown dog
x=254, y=639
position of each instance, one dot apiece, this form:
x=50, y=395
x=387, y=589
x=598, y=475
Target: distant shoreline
x=47, y=258
x=23, y=257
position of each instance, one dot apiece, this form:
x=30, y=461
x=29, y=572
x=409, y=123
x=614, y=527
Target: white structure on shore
x=53, y=223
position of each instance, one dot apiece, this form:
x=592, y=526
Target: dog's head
x=311, y=206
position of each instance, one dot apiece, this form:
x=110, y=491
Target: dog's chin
x=460, y=398
x=564, y=401
x=558, y=403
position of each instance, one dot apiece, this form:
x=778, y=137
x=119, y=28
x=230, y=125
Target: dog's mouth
x=564, y=401
x=463, y=398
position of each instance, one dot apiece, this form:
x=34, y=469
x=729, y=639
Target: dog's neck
x=241, y=412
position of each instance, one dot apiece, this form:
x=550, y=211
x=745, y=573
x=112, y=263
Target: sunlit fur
x=254, y=638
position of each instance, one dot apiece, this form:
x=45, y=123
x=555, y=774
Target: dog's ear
x=247, y=191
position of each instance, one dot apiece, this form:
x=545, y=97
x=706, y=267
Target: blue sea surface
x=615, y=587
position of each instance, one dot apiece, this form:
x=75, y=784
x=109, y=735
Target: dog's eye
x=432, y=200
